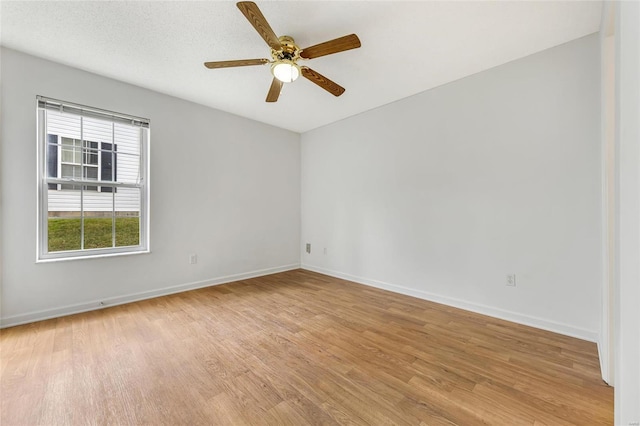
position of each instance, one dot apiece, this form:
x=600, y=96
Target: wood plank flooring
x=296, y=348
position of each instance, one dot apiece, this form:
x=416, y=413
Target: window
x=74, y=158
x=93, y=174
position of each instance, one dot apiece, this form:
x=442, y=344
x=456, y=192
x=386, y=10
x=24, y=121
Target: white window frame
x=43, y=181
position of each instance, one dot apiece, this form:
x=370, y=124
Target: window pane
x=91, y=158
x=52, y=156
x=91, y=152
x=127, y=231
x=108, y=169
x=64, y=234
x=98, y=215
x=52, y=159
x=127, y=217
x=90, y=173
x=70, y=187
x=98, y=230
x=70, y=150
x=77, y=151
x=95, y=129
x=70, y=171
x=63, y=221
x=127, y=139
x=68, y=154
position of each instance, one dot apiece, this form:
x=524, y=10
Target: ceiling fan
x=286, y=53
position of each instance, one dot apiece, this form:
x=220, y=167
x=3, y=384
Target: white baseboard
x=543, y=324
x=457, y=303
x=120, y=300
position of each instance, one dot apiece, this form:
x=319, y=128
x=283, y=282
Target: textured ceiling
x=407, y=47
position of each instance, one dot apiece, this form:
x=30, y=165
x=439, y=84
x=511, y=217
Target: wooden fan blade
x=341, y=44
x=250, y=10
x=322, y=81
x=238, y=63
x=274, y=90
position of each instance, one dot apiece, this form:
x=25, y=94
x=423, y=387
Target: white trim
x=144, y=174
x=42, y=227
x=607, y=176
x=121, y=300
x=604, y=366
x=91, y=254
x=556, y=327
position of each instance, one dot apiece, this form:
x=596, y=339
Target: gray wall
x=224, y=187
x=443, y=194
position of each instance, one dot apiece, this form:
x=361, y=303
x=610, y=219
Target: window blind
x=56, y=105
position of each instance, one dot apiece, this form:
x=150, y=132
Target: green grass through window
x=64, y=234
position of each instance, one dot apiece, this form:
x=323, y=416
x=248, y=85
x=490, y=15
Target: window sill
x=91, y=256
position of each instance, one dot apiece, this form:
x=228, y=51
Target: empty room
x=320, y=212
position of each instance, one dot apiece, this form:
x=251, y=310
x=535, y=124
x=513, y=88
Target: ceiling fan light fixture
x=285, y=52
x=285, y=70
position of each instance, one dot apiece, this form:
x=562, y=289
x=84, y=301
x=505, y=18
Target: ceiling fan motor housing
x=289, y=50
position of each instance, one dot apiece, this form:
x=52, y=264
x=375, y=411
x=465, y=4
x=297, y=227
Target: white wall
x=224, y=187
x=627, y=289
x=442, y=194
x=1, y=193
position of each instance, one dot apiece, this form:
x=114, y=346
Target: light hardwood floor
x=296, y=348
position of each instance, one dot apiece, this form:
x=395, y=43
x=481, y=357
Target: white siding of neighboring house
x=127, y=140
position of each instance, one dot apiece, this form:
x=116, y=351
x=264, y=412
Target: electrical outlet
x=309, y=248
x=193, y=259
x=325, y=250
x=511, y=280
